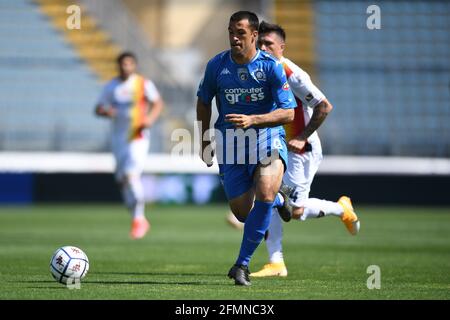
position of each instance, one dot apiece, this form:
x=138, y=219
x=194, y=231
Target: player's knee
x=267, y=199
x=132, y=179
x=121, y=182
x=265, y=194
x=124, y=180
x=297, y=212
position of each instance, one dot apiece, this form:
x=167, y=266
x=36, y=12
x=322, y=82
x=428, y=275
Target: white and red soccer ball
x=69, y=265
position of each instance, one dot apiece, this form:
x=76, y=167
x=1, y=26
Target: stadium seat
x=44, y=85
x=396, y=73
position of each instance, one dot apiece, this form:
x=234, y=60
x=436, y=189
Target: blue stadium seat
x=47, y=90
x=403, y=69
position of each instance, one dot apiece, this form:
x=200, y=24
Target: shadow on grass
x=165, y=274
x=140, y=281
x=109, y=282
x=188, y=283
x=47, y=287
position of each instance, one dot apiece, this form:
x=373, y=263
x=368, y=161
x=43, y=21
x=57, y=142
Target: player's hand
x=296, y=145
x=207, y=153
x=240, y=120
x=146, y=122
x=107, y=113
x=111, y=112
x=100, y=111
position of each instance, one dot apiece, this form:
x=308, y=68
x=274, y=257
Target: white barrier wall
x=166, y=163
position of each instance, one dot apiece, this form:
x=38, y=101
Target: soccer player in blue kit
x=254, y=101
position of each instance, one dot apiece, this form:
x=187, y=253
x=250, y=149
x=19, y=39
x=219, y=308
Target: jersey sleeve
x=106, y=96
x=304, y=89
x=151, y=93
x=281, y=92
x=207, y=88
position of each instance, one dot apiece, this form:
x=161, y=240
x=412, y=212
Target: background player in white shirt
x=305, y=154
x=133, y=104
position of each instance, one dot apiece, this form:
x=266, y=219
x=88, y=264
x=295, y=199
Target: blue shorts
x=238, y=178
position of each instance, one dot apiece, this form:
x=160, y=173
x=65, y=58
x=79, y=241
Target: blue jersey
x=257, y=87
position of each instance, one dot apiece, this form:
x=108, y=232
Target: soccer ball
x=69, y=265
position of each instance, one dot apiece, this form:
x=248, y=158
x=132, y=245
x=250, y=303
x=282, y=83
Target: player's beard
x=239, y=51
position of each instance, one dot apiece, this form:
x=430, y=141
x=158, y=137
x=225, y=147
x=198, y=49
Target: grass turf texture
x=189, y=250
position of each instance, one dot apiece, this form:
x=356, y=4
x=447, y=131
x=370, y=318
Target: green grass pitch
x=189, y=250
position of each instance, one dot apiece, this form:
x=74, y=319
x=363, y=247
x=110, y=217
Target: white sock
x=316, y=208
x=273, y=241
x=133, y=193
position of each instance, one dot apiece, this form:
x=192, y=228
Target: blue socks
x=255, y=227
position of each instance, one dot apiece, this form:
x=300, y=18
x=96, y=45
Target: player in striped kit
x=133, y=104
x=305, y=154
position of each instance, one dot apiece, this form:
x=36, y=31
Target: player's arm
x=104, y=105
x=156, y=103
x=206, y=92
x=272, y=119
x=320, y=112
x=303, y=88
x=204, y=117
x=318, y=117
x=155, y=111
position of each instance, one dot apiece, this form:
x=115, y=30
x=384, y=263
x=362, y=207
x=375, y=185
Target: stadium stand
x=297, y=18
x=390, y=86
x=47, y=90
x=91, y=43
x=62, y=71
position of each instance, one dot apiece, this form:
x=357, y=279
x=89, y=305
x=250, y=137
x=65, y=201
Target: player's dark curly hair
x=265, y=27
x=126, y=54
x=250, y=16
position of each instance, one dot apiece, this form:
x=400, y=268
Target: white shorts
x=130, y=157
x=300, y=173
